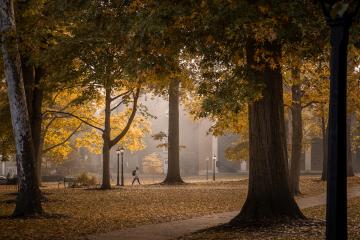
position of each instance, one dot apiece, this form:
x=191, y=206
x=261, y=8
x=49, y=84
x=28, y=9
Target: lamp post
x=122, y=150
x=118, y=151
x=339, y=16
x=214, y=165
x=207, y=169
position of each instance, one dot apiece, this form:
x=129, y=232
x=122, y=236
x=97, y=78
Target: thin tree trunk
x=325, y=149
x=106, y=139
x=350, y=170
x=36, y=121
x=296, y=140
x=173, y=174
x=28, y=199
x=269, y=198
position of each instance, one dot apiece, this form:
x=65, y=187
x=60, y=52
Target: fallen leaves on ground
x=313, y=229
x=73, y=213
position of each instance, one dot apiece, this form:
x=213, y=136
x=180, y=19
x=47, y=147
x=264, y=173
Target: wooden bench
x=70, y=181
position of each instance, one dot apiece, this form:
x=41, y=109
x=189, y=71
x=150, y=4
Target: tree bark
x=297, y=135
x=349, y=168
x=34, y=99
x=106, y=184
x=173, y=174
x=28, y=199
x=269, y=198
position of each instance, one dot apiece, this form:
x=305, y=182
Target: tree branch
x=309, y=104
x=77, y=117
x=62, y=142
x=48, y=125
x=130, y=120
x=120, y=95
x=117, y=105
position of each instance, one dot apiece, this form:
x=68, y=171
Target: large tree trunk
x=296, y=139
x=173, y=174
x=106, y=138
x=350, y=170
x=325, y=149
x=28, y=199
x=34, y=99
x=269, y=198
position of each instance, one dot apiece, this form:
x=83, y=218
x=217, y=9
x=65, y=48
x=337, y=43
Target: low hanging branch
x=64, y=141
x=77, y=117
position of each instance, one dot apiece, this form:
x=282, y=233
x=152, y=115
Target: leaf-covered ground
x=73, y=213
x=312, y=229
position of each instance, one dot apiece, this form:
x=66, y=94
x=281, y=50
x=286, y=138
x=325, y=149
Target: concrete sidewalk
x=172, y=230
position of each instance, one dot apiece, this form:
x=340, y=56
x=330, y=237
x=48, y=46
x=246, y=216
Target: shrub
x=86, y=180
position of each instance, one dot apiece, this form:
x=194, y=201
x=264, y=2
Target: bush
x=86, y=180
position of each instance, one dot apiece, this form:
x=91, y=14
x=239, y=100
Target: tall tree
x=268, y=194
x=101, y=64
x=173, y=173
x=28, y=199
x=252, y=73
x=162, y=44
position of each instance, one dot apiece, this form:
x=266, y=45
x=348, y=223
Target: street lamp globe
x=118, y=151
x=122, y=150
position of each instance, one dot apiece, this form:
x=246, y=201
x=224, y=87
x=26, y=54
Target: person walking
x=135, y=173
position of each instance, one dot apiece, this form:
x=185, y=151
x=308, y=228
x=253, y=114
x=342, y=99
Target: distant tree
x=101, y=63
x=173, y=173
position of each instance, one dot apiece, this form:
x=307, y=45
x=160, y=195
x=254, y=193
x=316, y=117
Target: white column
x=3, y=168
x=243, y=166
x=308, y=159
x=214, y=151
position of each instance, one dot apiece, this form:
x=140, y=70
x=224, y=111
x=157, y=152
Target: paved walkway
x=171, y=230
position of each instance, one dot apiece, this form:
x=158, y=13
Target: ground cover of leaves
x=311, y=229
x=73, y=213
